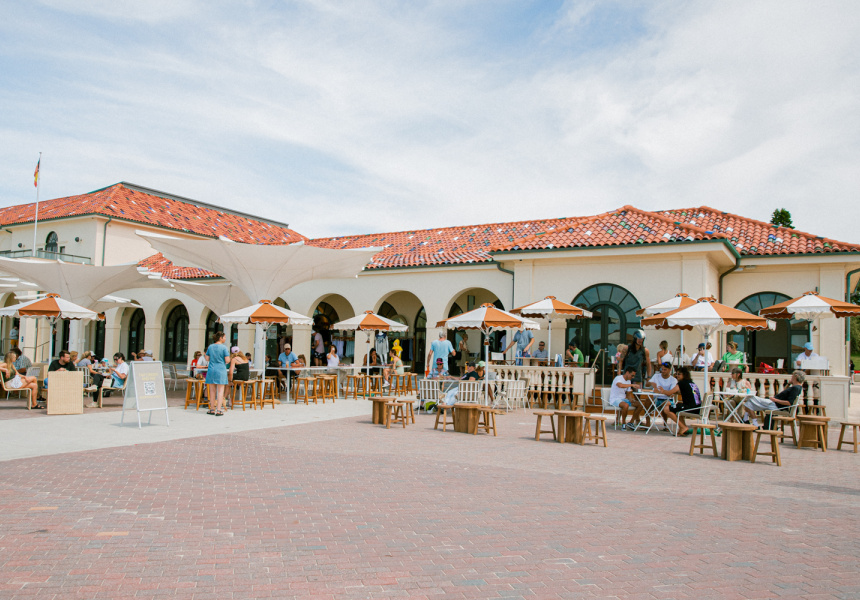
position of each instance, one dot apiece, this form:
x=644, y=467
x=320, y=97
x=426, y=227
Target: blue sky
x=354, y=117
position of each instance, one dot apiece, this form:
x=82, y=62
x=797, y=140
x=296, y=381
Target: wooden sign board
x=144, y=390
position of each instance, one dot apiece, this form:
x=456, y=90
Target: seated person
x=702, y=358
x=473, y=373
x=740, y=386
x=374, y=363
x=15, y=381
x=439, y=372
x=690, y=401
x=807, y=354
x=621, y=396
x=782, y=401
x=115, y=375
x=732, y=356
x=396, y=367
x=239, y=368
x=574, y=355
x=22, y=363
x=541, y=351
x=63, y=362
x=86, y=360
x=663, y=384
x=287, y=361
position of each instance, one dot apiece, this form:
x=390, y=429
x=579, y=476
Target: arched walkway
x=134, y=332
x=176, y=335
x=405, y=308
x=614, y=322
x=785, y=342
x=213, y=326
x=328, y=310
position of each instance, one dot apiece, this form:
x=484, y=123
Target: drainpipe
x=720, y=286
x=513, y=281
x=104, y=239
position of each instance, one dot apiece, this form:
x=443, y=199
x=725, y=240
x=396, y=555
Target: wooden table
x=737, y=440
x=809, y=435
x=569, y=426
x=466, y=417
x=379, y=408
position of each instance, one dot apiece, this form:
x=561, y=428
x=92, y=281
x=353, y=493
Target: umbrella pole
x=486, y=364
x=549, y=343
x=705, y=393
x=681, y=353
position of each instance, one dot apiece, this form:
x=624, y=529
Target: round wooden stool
x=774, y=445
x=306, y=389
x=328, y=387
x=244, y=387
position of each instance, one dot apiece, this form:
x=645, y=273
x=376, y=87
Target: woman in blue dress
x=216, y=376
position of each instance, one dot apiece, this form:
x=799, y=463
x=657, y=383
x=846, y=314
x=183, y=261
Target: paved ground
x=342, y=508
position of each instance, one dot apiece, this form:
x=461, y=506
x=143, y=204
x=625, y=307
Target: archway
x=329, y=310
x=135, y=332
x=784, y=342
x=614, y=321
x=176, y=335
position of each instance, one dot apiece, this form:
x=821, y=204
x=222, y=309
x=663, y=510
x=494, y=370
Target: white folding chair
x=604, y=399
x=428, y=391
x=703, y=412
x=471, y=392
x=515, y=393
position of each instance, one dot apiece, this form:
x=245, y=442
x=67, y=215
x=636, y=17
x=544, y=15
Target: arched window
x=325, y=314
x=213, y=326
x=176, y=335
x=420, y=340
x=784, y=342
x=613, y=323
x=136, y=325
x=52, y=243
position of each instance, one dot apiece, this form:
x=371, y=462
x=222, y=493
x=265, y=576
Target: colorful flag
x=36, y=174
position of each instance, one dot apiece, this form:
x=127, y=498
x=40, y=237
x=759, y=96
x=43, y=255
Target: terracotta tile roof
x=757, y=238
x=448, y=245
x=158, y=264
x=133, y=203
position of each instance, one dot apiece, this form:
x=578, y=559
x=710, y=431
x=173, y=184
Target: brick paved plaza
x=345, y=509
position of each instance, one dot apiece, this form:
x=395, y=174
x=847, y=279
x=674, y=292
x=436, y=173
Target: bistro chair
x=429, y=390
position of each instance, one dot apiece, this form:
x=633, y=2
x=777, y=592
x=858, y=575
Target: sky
x=368, y=116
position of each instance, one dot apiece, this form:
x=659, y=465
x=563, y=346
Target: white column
x=302, y=341
x=151, y=341
x=77, y=329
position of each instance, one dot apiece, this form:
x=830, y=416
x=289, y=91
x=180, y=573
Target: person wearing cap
x=440, y=349
x=574, y=355
x=289, y=361
x=703, y=357
x=807, y=354
x=637, y=356
x=439, y=372
x=663, y=384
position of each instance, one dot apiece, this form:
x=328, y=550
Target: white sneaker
x=91, y=388
x=93, y=405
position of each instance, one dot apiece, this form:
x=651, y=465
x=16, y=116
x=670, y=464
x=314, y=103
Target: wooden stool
x=269, y=386
x=855, y=427
x=328, y=387
x=394, y=414
x=195, y=391
x=487, y=419
x=306, y=389
x=541, y=413
x=442, y=411
x=599, y=428
x=374, y=386
x=702, y=445
x=398, y=385
x=813, y=432
x=816, y=410
x=408, y=409
x=355, y=380
x=779, y=422
x=774, y=445
x=411, y=383
x=243, y=386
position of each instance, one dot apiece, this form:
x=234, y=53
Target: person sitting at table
x=374, y=364
x=288, y=361
x=249, y=357
x=733, y=356
x=541, y=351
x=784, y=400
x=741, y=388
x=473, y=373
x=662, y=383
x=332, y=359
x=807, y=354
x=194, y=361
x=573, y=355
x=15, y=381
x=239, y=368
x=439, y=372
x=702, y=358
x=690, y=401
x=22, y=363
x=621, y=396
x=396, y=367
x=681, y=358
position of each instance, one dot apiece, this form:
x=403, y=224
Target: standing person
x=16, y=381
x=318, y=351
x=440, y=349
x=463, y=349
x=216, y=375
x=524, y=339
x=637, y=356
x=13, y=337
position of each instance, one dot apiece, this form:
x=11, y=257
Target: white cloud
x=376, y=116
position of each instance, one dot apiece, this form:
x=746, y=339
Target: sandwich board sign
x=144, y=390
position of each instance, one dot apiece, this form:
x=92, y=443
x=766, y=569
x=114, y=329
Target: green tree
x=782, y=218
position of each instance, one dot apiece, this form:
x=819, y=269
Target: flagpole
x=38, y=184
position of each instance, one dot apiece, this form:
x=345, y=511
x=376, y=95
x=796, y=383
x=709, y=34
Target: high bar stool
x=411, y=383
x=305, y=389
x=329, y=387
x=244, y=387
x=269, y=386
x=194, y=392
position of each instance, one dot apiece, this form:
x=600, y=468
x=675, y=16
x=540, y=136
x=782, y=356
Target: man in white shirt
x=701, y=358
x=807, y=354
x=621, y=396
x=663, y=384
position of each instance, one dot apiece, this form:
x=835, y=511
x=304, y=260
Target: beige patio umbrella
x=678, y=301
x=811, y=306
x=487, y=318
x=369, y=321
x=707, y=316
x=51, y=308
x=551, y=308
